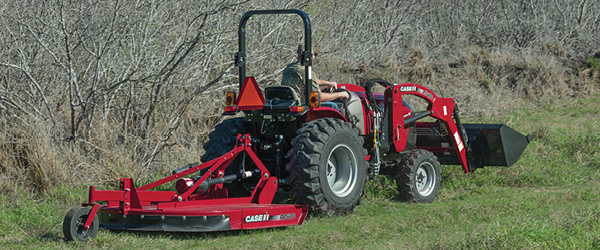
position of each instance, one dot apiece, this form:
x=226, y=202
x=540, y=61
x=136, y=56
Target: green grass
x=548, y=200
x=593, y=62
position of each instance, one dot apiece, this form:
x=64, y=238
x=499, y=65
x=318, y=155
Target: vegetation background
x=92, y=91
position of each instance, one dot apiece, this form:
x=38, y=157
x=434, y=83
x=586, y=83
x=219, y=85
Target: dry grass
x=484, y=83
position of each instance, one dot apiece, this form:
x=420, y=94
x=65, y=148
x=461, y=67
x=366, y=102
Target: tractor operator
x=293, y=76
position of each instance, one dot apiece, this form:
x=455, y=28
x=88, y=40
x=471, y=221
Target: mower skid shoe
x=205, y=219
x=494, y=145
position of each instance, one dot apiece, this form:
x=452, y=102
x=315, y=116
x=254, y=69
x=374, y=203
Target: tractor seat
x=281, y=97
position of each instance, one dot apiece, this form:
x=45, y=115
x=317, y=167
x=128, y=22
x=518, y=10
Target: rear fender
x=323, y=112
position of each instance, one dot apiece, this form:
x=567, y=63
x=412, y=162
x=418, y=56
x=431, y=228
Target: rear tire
x=74, y=222
x=222, y=140
x=419, y=176
x=327, y=166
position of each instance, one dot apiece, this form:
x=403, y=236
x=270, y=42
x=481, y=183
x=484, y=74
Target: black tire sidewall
x=70, y=224
x=350, y=140
x=436, y=166
x=406, y=176
x=221, y=140
x=308, y=162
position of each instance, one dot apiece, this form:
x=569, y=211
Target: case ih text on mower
x=320, y=155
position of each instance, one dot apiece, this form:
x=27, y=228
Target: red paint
x=323, y=112
x=436, y=106
x=129, y=200
x=251, y=97
x=351, y=87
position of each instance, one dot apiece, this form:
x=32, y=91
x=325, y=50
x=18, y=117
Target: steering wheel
x=327, y=89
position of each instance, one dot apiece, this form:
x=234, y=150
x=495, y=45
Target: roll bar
x=240, y=56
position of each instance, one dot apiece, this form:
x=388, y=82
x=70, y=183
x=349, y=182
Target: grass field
x=549, y=199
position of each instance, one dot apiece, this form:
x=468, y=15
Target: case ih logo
x=408, y=88
x=267, y=217
x=257, y=218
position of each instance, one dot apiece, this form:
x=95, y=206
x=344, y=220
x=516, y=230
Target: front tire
x=327, y=166
x=74, y=222
x=419, y=176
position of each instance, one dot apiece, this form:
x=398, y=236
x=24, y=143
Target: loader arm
x=443, y=109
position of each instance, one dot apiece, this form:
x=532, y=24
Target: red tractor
x=325, y=156
x=320, y=155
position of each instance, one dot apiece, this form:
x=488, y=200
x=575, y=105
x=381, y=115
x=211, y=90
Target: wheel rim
x=81, y=232
x=425, y=179
x=341, y=170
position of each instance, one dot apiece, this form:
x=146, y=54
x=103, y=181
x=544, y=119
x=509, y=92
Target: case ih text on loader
x=320, y=155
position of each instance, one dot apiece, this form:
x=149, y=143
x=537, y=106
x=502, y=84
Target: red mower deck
x=204, y=206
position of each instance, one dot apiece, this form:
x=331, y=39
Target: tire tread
x=304, y=165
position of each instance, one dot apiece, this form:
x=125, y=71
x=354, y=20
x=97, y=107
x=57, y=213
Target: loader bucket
x=494, y=145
